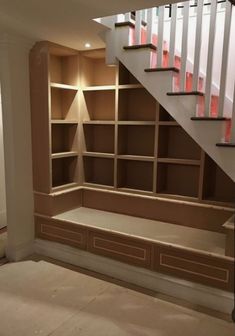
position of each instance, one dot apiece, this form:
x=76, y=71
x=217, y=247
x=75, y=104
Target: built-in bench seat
x=149, y=230
x=185, y=252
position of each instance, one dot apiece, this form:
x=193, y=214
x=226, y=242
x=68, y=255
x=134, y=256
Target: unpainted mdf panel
x=40, y=114
x=99, y=105
x=136, y=140
x=64, y=138
x=174, y=142
x=64, y=171
x=99, y=138
x=64, y=69
x=135, y=175
x=99, y=170
x=178, y=179
x=64, y=104
x=136, y=105
x=125, y=77
x=96, y=73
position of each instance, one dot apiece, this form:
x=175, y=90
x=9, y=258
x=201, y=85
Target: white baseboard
x=3, y=219
x=19, y=252
x=191, y=292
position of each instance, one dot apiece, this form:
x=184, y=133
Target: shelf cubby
x=136, y=105
x=64, y=138
x=177, y=179
x=63, y=69
x=99, y=171
x=99, y=105
x=175, y=143
x=64, y=171
x=136, y=140
x=99, y=138
x=164, y=116
x=217, y=186
x=135, y=175
x=125, y=77
x=64, y=104
x=95, y=72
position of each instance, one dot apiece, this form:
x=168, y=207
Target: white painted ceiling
x=67, y=22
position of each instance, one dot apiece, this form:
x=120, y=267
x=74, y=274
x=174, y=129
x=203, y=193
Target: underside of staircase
x=187, y=106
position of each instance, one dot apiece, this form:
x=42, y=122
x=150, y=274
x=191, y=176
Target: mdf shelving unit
x=102, y=129
x=110, y=166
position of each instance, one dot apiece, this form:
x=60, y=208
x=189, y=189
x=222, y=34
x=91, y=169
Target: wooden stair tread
x=141, y=46
x=209, y=118
x=226, y=144
x=162, y=69
x=125, y=24
x=185, y=93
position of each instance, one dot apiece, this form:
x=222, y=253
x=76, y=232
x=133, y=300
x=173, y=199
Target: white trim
x=19, y=252
x=194, y=293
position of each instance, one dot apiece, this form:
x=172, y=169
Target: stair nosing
x=140, y=46
x=185, y=93
x=209, y=118
x=125, y=24
x=162, y=69
x=226, y=144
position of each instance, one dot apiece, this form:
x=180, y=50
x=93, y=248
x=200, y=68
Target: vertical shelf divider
x=155, y=165
x=116, y=128
x=201, y=176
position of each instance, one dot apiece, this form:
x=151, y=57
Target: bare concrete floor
x=38, y=297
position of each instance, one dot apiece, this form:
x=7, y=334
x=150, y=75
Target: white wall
x=2, y=175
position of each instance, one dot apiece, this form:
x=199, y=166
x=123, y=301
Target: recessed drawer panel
x=61, y=232
x=127, y=250
x=208, y=270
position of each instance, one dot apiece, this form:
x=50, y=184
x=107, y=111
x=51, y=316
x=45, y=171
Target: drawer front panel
x=208, y=270
x=127, y=250
x=61, y=232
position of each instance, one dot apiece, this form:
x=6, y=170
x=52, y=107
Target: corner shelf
x=136, y=157
x=63, y=155
x=97, y=154
x=64, y=86
x=64, y=171
x=63, y=69
x=63, y=122
x=64, y=138
x=64, y=104
x=93, y=104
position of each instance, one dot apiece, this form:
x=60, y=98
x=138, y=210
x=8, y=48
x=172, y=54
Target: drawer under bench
x=195, y=266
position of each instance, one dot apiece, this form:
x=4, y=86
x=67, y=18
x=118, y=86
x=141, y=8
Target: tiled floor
x=41, y=298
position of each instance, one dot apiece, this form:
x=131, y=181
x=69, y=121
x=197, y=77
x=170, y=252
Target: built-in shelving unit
x=105, y=130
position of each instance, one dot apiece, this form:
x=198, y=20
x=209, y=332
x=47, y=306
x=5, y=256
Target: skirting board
x=17, y=253
x=191, y=292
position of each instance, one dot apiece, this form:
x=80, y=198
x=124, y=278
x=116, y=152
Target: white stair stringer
x=181, y=108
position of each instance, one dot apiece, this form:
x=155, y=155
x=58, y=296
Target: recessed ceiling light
x=87, y=45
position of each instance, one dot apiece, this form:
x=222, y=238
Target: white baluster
x=150, y=17
x=172, y=35
x=138, y=26
x=233, y=120
x=160, y=36
x=198, y=43
x=210, y=57
x=224, y=67
x=184, y=51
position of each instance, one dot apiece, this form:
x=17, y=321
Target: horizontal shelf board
x=136, y=157
x=97, y=185
x=64, y=186
x=97, y=154
x=64, y=122
x=179, y=161
x=63, y=155
x=135, y=191
x=169, y=194
x=127, y=122
x=151, y=230
x=130, y=86
x=99, y=88
x=64, y=86
x=99, y=122
x=168, y=123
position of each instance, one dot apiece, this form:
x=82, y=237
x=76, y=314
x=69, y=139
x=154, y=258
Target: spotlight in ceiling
x=87, y=45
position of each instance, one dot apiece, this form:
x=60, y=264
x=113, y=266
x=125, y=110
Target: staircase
x=165, y=49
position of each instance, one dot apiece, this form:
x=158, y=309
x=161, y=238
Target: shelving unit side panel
x=40, y=119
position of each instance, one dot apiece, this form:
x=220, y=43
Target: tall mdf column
x=2, y=174
x=14, y=75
